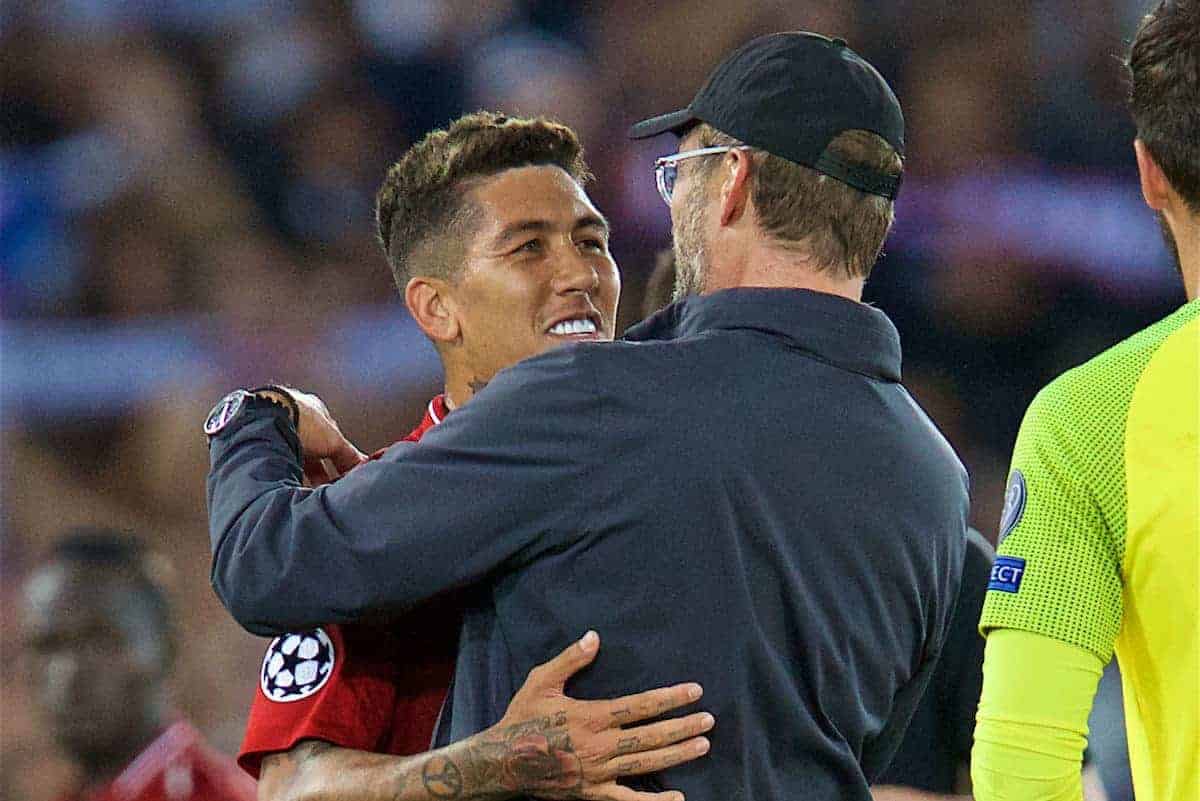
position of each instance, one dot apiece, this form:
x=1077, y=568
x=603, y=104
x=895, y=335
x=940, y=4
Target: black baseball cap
x=790, y=94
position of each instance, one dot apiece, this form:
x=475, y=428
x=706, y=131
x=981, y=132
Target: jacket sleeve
x=964, y=658
x=501, y=480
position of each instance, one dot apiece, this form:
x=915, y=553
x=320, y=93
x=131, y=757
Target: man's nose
x=577, y=272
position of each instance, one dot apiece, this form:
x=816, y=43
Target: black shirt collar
x=838, y=330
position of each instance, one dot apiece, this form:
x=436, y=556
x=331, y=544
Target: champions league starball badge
x=1014, y=504
x=297, y=665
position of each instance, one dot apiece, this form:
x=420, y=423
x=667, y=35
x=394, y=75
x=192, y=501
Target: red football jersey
x=372, y=688
x=177, y=766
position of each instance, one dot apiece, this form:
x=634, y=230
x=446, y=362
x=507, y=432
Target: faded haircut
x=421, y=208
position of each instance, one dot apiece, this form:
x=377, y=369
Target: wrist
x=280, y=396
x=471, y=769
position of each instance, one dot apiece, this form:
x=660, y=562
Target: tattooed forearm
x=308, y=750
x=441, y=778
x=532, y=757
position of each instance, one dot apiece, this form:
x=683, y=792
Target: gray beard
x=691, y=260
x=1168, y=238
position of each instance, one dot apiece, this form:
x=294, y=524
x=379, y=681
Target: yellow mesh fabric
x=1071, y=534
x=1159, y=644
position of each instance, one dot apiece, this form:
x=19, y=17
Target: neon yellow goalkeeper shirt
x=1100, y=537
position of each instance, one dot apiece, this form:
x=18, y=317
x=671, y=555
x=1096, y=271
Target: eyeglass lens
x=666, y=181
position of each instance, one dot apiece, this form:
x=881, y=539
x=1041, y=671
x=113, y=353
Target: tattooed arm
x=547, y=745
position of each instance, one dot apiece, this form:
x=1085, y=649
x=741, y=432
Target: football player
x=499, y=255
x=1100, y=536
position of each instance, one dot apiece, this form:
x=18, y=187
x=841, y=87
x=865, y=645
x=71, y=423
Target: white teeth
x=581, y=326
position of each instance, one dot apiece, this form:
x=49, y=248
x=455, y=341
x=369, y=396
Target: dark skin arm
x=547, y=745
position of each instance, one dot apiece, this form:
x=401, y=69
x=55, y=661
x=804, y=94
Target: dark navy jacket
x=937, y=746
x=740, y=494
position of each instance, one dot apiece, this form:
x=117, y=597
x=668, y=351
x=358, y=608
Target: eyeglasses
x=667, y=168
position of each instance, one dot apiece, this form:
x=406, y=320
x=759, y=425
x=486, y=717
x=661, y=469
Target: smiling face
x=537, y=272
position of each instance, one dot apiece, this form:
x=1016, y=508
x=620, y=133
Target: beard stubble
x=691, y=257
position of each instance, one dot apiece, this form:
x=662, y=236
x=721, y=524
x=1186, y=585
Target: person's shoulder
x=1102, y=386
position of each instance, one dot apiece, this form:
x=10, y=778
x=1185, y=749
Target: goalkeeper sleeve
x=1031, y=728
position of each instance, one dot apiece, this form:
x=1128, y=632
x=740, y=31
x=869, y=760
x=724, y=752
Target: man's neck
x=1184, y=229
x=763, y=265
x=461, y=385
x=1189, y=262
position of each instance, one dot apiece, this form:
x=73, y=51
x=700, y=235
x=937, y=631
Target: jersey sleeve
x=350, y=704
x=1057, y=569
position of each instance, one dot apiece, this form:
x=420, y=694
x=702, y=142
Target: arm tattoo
x=533, y=757
x=310, y=749
x=442, y=778
x=528, y=757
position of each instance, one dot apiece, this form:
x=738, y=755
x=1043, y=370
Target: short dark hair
x=421, y=200
x=841, y=227
x=1164, y=98
x=125, y=556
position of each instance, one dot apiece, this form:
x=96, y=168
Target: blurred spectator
x=101, y=640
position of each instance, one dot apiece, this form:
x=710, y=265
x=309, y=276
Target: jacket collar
x=850, y=335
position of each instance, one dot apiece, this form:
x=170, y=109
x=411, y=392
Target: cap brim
x=675, y=122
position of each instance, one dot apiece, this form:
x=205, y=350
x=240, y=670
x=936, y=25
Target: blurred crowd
x=186, y=205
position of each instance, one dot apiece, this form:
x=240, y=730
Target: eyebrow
x=541, y=226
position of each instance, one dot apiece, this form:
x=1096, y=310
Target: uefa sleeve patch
x=1014, y=504
x=296, y=665
x=1007, y=572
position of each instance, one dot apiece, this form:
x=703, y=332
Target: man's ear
x=432, y=305
x=1156, y=189
x=735, y=188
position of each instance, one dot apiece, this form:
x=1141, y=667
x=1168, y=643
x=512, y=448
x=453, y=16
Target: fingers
x=656, y=760
x=661, y=734
x=651, y=703
x=619, y=792
x=574, y=658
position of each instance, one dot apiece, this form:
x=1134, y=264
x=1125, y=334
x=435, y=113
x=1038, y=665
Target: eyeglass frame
x=671, y=162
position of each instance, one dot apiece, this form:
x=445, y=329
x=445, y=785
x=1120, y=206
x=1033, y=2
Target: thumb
x=574, y=658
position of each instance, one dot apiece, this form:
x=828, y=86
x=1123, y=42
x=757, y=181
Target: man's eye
x=593, y=244
x=532, y=246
